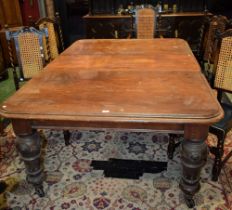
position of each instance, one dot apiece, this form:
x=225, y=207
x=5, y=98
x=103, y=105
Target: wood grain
x=119, y=80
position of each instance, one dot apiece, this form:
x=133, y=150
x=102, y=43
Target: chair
x=145, y=23
x=32, y=61
x=223, y=83
x=54, y=46
x=217, y=25
x=30, y=54
x=55, y=36
x=163, y=28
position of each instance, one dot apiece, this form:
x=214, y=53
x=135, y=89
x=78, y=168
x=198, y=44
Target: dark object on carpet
x=3, y=186
x=3, y=125
x=131, y=169
x=6, y=185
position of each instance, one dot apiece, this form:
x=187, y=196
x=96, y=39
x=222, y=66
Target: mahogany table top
x=153, y=81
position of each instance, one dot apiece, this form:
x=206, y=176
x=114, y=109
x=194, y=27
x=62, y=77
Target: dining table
x=120, y=84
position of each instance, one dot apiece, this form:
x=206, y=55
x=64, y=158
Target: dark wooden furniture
x=53, y=45
x=10, y=13
x=130, y=84
x=108, y=26
x=3, y=70
x=29, y=50
x=223, y=79
x=55, y=36
x=4, y=44
x=222, y=83
x=111, y=6
x=10, y=16
x=185, y=25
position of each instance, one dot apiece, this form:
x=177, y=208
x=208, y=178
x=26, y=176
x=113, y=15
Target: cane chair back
x=53, y=47
x=223, y=83
x=217, y=25
x=223, y=77
x=55, y=37
x=52, y=38
x=145, y=23
x=29, y=51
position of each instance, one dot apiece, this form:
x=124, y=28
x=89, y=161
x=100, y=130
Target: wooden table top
x=119, y=80
x=129, y=54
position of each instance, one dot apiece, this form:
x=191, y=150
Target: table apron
x=191, y=131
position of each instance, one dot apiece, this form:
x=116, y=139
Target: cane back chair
x=29, y=51
x=217, y=25
x=54, y=46
x=145, y=23
x=223, y=83
x=55, y=36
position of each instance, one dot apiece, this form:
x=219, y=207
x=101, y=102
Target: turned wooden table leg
x=193, y=157
x=28, y=144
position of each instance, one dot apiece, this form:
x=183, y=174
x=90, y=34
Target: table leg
x=193, y=157
x=28, y=144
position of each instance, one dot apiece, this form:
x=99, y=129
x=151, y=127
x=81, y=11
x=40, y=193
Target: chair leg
x=16, y=81
x=67, y=135
x=226, y=158
x=218, y=158
x=171, y=146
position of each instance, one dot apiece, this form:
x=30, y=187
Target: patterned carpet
x=71, y=183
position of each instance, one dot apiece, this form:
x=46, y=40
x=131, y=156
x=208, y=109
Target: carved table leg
x=29, y=146
x=193, y=156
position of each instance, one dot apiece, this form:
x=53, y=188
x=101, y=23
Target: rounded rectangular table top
x=137, y=86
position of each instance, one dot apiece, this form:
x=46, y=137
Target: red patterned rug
x=71, y=183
